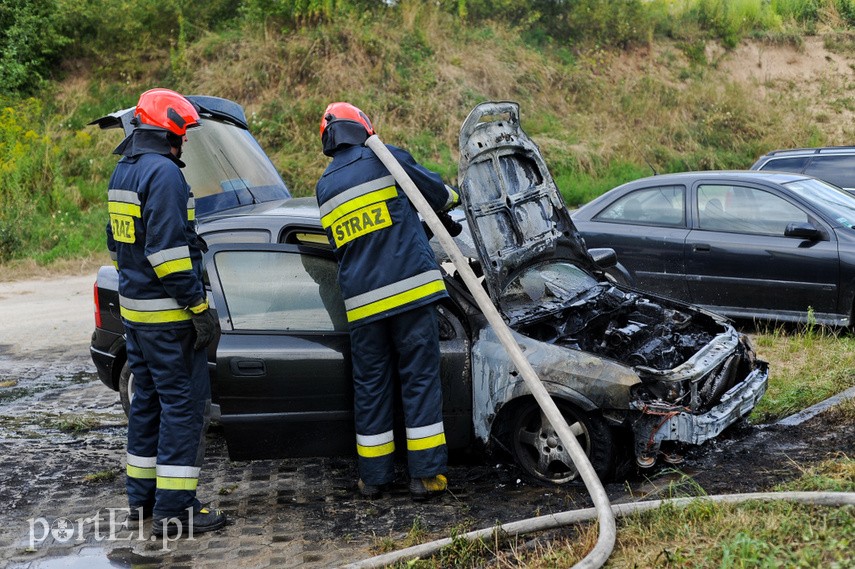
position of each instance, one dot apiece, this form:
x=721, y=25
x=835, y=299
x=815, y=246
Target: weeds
x=76, y=424
x=834, y=475
x=101, y=476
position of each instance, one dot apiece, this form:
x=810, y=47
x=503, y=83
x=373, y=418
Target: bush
x=29, y=42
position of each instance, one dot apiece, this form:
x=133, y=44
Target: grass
x=101, y=476
x=807, y=365
x=702, y=534
x=76, y=424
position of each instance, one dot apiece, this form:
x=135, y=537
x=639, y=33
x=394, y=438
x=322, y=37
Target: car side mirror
x=604, y=257
x=803, y=230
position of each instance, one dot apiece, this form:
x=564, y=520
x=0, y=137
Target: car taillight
x=97, y=306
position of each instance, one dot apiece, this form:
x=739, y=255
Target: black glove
x=453, y=227
x=207, y=328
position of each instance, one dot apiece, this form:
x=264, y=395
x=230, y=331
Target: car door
x=283, y=375
x=738, y=256
x=647, y=228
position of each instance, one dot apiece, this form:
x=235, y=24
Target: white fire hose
x=606, y=539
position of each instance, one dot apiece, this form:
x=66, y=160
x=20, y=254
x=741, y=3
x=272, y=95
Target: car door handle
x=248, y=367
x=701, y=247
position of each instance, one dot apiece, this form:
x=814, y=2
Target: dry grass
x=419, y=71
x=28, y=269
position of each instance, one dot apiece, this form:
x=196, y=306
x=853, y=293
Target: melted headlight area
x=626, y=327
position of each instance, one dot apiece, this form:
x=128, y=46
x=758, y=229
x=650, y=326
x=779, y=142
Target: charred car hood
x=515, y=212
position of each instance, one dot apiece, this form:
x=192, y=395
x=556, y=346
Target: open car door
x=283, y=365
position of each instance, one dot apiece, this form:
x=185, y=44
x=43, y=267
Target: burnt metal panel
x=515, y=212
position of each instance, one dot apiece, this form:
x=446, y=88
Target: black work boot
x=371, y=491
x=137, y=516
x=423, y=488
x=204, y=519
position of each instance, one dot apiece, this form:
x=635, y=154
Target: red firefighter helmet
x=167, y=110
x=345, y=112
x=343, y=125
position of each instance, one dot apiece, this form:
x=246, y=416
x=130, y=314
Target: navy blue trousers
x=168, y=418
x=406, y=344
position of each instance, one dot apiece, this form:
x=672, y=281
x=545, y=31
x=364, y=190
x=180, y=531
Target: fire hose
x=552, y=521
x=606, y=538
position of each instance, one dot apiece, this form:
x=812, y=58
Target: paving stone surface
x=62, y=498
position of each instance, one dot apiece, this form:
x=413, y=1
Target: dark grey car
x=766, y=245
x=629, y=371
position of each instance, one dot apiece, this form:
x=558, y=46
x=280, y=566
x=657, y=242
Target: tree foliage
x=29, y=42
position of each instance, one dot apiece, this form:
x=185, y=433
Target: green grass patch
x=578, y=188
x=76, y=424
x=101, y=476
x=806, y=366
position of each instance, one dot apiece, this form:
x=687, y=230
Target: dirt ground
x=62, y=435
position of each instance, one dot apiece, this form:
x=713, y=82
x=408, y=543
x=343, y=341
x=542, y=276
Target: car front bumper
x=661, y=422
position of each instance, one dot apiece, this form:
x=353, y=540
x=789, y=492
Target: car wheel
x=126, y=388
x=542, y=456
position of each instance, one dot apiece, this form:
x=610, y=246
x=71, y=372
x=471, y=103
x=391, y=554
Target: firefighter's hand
x=206, y=326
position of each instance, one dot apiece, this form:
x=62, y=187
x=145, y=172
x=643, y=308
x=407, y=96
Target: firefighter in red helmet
x=152, y=239
x=391, y=283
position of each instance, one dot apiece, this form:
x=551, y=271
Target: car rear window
x=281, y=291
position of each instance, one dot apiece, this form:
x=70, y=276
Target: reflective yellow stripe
x=124, y=208
x=395, y=301
x=191, y=214
x=200, y=308
x=175, y=266
x=375, y=451
x=155, y=316
x=141, y=472
x=171, y=483
x=426, y=443
x=358, y=203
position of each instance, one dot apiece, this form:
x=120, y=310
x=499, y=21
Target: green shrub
x=29, y=42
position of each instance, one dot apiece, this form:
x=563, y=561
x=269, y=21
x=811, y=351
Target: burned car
x=629, y=371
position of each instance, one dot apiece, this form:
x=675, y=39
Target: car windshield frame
x=227, y=168
x=835, y=203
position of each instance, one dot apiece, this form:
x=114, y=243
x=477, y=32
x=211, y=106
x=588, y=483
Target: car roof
x=809, y=151
x=297, y=208
x=689, y=177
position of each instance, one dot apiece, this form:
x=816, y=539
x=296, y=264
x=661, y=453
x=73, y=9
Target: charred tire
x=126, y=388
x=541, y=455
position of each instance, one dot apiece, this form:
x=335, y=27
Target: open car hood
x=515, y=212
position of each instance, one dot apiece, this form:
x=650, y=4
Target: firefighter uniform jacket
x=152, y=238
x=386, y=265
